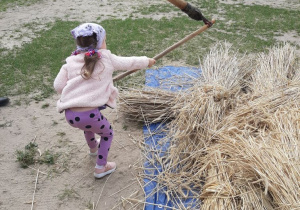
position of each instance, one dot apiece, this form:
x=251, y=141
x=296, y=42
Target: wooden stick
x=102, y=191
x=122, y=189
x=166, y=51
x=36, y=180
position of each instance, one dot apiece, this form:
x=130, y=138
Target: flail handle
x=166, y=51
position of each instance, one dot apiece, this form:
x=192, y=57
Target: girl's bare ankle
x=94, y=150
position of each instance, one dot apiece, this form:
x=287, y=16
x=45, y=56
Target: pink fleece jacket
x=99, y=89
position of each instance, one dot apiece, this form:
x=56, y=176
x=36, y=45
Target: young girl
x=86, y=87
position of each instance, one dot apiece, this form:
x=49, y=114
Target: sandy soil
x=290, y=4
x=69, y=184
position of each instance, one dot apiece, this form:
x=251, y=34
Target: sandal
x=107, y=169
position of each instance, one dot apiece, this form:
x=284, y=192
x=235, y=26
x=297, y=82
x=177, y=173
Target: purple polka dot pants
x=93, y=122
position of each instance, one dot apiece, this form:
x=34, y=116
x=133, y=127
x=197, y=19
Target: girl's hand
x=151, y=62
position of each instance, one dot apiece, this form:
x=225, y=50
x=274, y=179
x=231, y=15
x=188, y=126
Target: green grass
x=32, y=69
x=67, y=194
x=30, y=156
x=44, y=106
x=48, y=157
x=27, y=156
x=35, y=65
x=61, y=134
x=157, y=9
x=253, y=27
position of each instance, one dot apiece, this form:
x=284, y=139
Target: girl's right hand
x=151, y=62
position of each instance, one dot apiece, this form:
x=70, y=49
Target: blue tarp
x=171, y=78
x=167, y=78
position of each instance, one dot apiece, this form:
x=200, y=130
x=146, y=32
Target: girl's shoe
x=107, y=169
x=95, y=153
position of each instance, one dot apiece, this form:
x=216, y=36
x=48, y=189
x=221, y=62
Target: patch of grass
x=6, y=124
x=27, y=156
x=125, y=127
x=54, y=123
x=30, y=155
x=61, y=134
x=90, y=205
x=17, y=102
x=252, y=28
x=44, y=106
x=48, y=157
x=60, y=164
x=35, y=65
x=5, y=4
x=157, y=9
x=68, y=194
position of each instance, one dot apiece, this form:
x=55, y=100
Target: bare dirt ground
x=69, y=184
x=289, y=4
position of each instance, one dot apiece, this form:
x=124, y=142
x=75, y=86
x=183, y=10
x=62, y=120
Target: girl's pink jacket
x=99, y=89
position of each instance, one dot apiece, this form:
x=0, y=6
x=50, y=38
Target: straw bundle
x=274, y=70
x=236, y=133
x=152, y=105
x=257, y=156
x=208, y=102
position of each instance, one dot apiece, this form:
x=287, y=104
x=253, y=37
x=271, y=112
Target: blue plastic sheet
x=173, y=79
